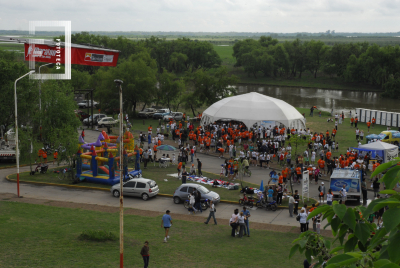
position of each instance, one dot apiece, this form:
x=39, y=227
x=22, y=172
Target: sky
x=280, y=16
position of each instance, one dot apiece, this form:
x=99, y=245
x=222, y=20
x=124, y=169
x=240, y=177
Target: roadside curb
x=24, y=165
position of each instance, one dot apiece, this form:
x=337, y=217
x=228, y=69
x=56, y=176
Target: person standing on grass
x=145, y=252
x=233, y=222
x=212, y=213
x=166, y=222
x=247, y=215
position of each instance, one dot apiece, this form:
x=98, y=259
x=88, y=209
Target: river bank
x=306, y=81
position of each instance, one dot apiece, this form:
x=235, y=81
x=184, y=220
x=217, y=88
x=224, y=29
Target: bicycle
x=62, y=174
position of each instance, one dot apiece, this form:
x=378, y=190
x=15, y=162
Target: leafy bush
x=99, y=236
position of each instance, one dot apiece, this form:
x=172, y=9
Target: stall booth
x=389, y=118
x=378, y=117
x=367, y=115
x=380, y=150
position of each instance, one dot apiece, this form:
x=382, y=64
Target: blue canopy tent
x=384, y=150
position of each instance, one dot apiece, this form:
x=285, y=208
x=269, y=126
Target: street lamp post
x=121, y=177
x=16, y=127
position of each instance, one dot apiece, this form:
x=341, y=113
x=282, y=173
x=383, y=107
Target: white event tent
x=254, y=108
x=382, y=149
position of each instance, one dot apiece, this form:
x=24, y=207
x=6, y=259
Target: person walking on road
x=166, y=222
x=212, y=213
x=343, y=193
x=247, y=215
x=296, y=201
x=322, y=192
x=145, y=158
x=145, y=252
x=303, y=220
x=199, y=165
x=364, y=190
x=291, y=205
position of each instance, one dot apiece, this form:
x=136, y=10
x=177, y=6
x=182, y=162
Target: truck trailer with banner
x=351, y=179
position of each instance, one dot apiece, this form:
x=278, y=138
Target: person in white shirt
x=303, y=220
x=329, y=197
x=313, y=154
x=343, y=193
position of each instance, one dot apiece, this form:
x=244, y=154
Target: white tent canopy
x=379, y=148
x=254, y=108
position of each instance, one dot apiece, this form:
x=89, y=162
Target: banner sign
x=81, y=56
x=268, y=124
x=305, y=185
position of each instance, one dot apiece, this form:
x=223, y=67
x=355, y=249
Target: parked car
x=161, y=113
x=139, y=187
x=87, y=103
x=81, y=115
x=96, y=117
x=146, y=113
x=106, y=121
x=181, y=193
x=175, y=116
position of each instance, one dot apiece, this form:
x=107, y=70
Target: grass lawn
x=45, y=236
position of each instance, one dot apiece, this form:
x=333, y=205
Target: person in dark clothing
x=280, y=195
x=145, y=252
x=184, y=174
x=364, y=190
x=197, y=199
x=376, y=185
x=296, y=202
x=199, y=165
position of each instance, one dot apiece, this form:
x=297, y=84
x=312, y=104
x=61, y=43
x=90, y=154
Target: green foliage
x=362, y=244
x=98, y=236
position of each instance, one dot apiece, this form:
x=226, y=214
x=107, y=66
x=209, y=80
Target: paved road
x=159, y=204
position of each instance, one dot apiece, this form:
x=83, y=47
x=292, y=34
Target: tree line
x=353, y=62
x=179, y=73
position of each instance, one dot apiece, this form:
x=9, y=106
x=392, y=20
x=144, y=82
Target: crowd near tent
x=384, y=150
x=254, y=108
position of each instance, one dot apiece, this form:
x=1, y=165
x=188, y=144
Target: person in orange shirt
x=44, y=155
x=39, y=155
x=208, y=143
x=328, y=155
x=149, y=129
x=155, y=150
x=352, y=121
x=334, y=133
x=327, y=134
x=321, y=165
x=374, y=166
x=179, y=168
x=159, y=142
x=373, y=122
x=55, y=156
x=368, y=125
x=284, y=174
x=280, y=178
x=298, y=172
x=310, y=171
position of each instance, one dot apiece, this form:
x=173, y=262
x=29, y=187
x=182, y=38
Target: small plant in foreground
x=99, y=236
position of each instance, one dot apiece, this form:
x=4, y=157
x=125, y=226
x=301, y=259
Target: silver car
x=139, y=187
x=181, y=193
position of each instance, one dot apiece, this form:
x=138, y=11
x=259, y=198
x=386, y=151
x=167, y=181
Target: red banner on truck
x=79, y=55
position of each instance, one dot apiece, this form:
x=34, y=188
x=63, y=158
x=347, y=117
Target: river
x=326, y=99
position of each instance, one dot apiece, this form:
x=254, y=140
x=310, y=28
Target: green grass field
x=44, y=236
